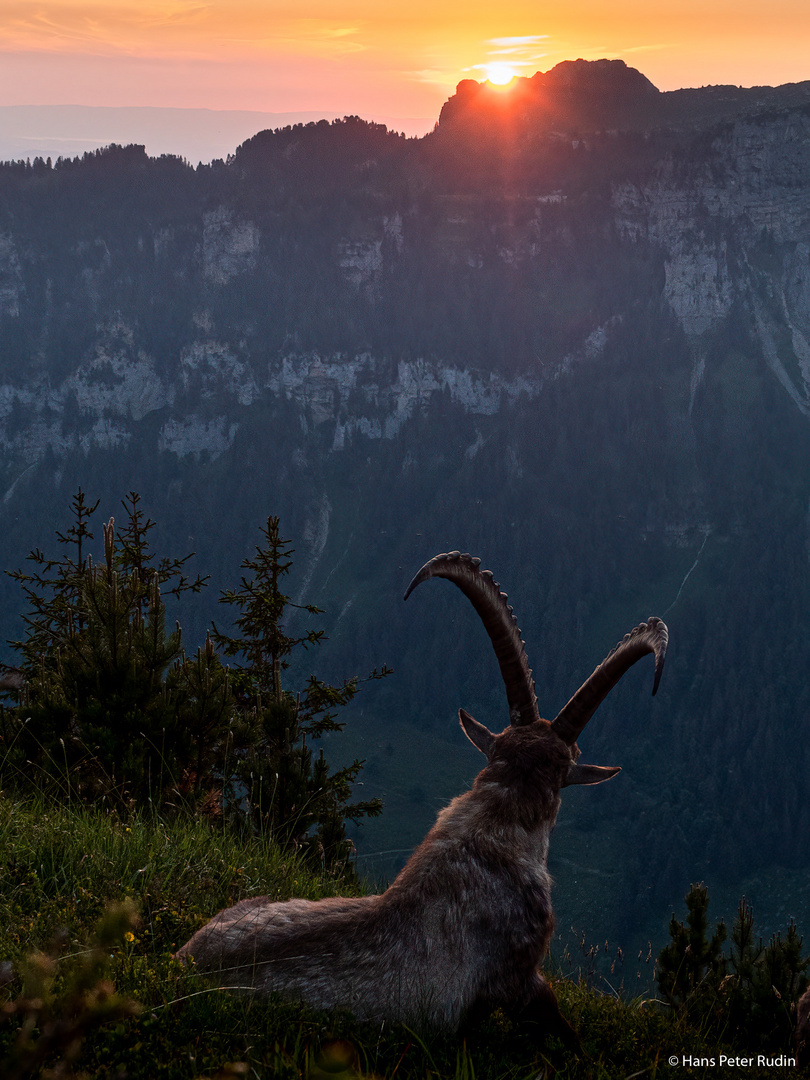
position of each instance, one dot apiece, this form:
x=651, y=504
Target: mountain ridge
x=598, y=95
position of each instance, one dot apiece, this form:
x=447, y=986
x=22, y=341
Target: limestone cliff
x=726, y=220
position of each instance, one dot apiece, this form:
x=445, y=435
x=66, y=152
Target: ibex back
x=468, y=920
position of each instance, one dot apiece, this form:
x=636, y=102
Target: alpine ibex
x=468, y=920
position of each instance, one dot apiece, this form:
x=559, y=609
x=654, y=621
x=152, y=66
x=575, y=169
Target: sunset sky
x=371, y=57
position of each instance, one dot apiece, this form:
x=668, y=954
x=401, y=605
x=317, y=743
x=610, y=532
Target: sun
x=499, y=74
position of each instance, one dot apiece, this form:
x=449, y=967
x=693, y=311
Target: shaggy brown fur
x=463, y=927
x=466, y=924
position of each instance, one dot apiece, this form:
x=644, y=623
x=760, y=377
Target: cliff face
x=102, y=404
x=582, y=354
x=733, y=230
x=724, y=224
x=720, y=220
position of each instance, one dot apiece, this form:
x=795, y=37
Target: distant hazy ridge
x=54, y=131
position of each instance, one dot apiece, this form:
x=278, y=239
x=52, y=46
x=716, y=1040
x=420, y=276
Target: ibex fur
x=468, y=920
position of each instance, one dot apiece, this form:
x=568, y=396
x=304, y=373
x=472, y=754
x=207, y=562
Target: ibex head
x=553, y=743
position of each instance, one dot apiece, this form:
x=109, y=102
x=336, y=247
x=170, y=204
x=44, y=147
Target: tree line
x=109, y=708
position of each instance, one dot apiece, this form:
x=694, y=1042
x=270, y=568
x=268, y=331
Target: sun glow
x=369, y=59
x=499, y=74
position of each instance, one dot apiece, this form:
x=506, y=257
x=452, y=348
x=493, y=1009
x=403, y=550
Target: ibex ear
x=590, y=774
x=480, y=736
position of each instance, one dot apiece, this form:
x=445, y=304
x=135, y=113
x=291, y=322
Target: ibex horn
x=649, y=637
x=486, y=597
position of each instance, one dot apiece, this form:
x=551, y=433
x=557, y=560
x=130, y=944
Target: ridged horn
x=486, y=597
x=650, y=637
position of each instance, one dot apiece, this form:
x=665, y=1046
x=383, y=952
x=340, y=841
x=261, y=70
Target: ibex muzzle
x=468, y=920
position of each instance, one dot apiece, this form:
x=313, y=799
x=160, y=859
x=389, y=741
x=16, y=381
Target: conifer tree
x=750, y=992
x=293, y=794
x=99, y=712
x=765, y=981
x=53, y=589
x=691, y=966
x=201, y=690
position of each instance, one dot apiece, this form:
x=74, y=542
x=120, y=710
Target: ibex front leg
x=542, y=1009
x=537, y=1005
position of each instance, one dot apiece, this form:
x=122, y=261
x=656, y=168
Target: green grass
x=60, y=863
x=62, y=867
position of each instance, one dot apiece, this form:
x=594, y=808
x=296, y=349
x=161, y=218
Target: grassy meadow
x=92, y=906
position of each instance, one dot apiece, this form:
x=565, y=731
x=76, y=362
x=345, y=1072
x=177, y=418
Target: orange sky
x=370, y=56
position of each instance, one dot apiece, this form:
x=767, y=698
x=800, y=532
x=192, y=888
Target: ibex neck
x=485, y=827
